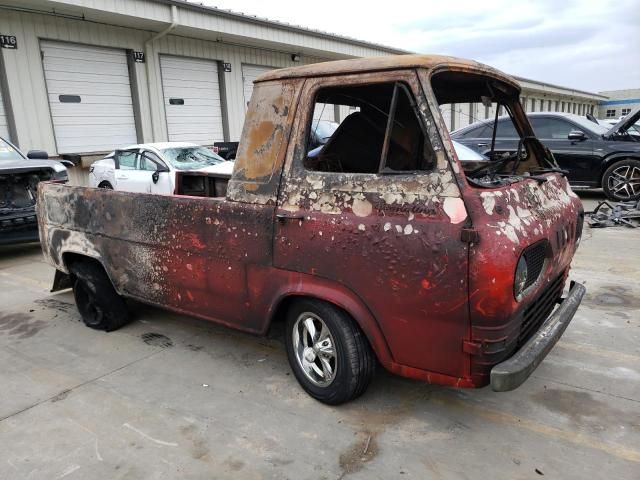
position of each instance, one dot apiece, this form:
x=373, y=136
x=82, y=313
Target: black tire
x=105, y=185
x=621, y=181
x=354, y=364
x=99, y=304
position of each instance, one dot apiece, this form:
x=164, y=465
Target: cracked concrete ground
x=173, y=397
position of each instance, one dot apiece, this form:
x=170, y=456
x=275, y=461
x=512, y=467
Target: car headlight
x=520, y=278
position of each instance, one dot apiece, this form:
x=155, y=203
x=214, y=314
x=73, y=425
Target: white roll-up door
x=89, y=97
x=192, y=100
x=4, y=124
x=249, y=74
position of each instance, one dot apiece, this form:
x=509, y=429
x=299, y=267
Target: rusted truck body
x=386, y=248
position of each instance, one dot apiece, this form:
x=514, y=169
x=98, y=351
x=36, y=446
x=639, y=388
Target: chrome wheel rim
x=624, y=181
x=314, y=348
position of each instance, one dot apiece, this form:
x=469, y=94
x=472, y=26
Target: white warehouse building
x=81, y=77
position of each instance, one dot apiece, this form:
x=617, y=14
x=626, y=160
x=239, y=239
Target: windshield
x=325, y=129
x=587, y=124
x=191, y=158
x=7, y=152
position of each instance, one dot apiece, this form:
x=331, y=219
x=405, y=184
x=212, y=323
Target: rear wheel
x=106, y=185
x=330, y=356
x=621, y=181
x=99, y=304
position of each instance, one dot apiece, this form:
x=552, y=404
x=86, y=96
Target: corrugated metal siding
x=4, y=124
x=248, y=27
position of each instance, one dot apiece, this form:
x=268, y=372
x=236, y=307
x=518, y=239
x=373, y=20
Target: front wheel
x=330, y=356
x=621, y=181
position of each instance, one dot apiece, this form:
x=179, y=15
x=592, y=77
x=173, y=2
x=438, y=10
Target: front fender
x=614, y=157
x=292, y=284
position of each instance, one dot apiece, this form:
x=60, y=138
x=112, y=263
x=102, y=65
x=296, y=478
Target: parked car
x=464, y=153
x=19, y=177
x=380, y=250
x=593, y=155
x=152, y=167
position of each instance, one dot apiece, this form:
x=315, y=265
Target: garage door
x=89, y=97
x=249, y=74
x=4, y=124
x=192, y=100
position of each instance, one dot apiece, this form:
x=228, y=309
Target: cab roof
x=390, y=62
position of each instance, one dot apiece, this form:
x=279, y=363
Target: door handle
x=483, y=144
x=289, y=216
x=122, y=177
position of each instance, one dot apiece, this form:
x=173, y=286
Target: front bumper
x=20, y=227
x=511, y=373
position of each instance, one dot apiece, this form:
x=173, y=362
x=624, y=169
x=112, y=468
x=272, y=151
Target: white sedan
x=152, y=167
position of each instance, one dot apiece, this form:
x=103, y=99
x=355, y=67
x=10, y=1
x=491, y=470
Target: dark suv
x=594, y=155
x=19, y=177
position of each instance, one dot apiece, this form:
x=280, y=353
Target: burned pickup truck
x=380, y=248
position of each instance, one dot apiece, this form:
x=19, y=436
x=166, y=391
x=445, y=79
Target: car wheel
x=330, y=356
x=621, y=181
x=106, y=185
x=99, y=304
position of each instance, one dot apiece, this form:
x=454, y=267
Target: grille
x=535, y=256
x=536, y=313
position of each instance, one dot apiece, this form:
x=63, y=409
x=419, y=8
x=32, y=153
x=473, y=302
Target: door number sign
x=9, y=41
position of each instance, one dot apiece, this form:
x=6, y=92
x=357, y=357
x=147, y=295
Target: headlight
x=520, y=279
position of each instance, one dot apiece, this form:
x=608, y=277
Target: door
x=89, y=97
x=192, y=104
x=4, y=123
x=129, y=175
x=249, y=74
x=162, y=180
x=575, y=156
x=377, y=213
x=479, y=138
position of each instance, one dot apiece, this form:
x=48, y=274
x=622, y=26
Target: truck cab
x=379, y=248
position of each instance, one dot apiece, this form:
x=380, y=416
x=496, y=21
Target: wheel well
x=105, y=182
x=71, y=258
x=279, y=315
x=610, y=161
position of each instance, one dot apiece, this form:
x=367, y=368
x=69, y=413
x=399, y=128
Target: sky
x=589, y=45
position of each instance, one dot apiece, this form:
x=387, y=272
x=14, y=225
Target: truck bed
x=188, y=254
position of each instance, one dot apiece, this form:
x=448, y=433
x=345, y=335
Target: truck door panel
x=392, y=238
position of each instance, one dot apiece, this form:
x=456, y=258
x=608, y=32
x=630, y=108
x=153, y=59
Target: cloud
x=585, y=45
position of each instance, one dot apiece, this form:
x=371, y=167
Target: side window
x=551, y=128
x=150, y=162
x=381, y=132
x=127, y=160
x=479, y=132
x=506, y=129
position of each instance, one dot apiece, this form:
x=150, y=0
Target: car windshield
x=7, y=152
x=587, y=124
x=325, y=129
x=191, y=158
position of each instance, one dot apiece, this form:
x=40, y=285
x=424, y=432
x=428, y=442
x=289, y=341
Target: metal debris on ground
x=608, y=215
